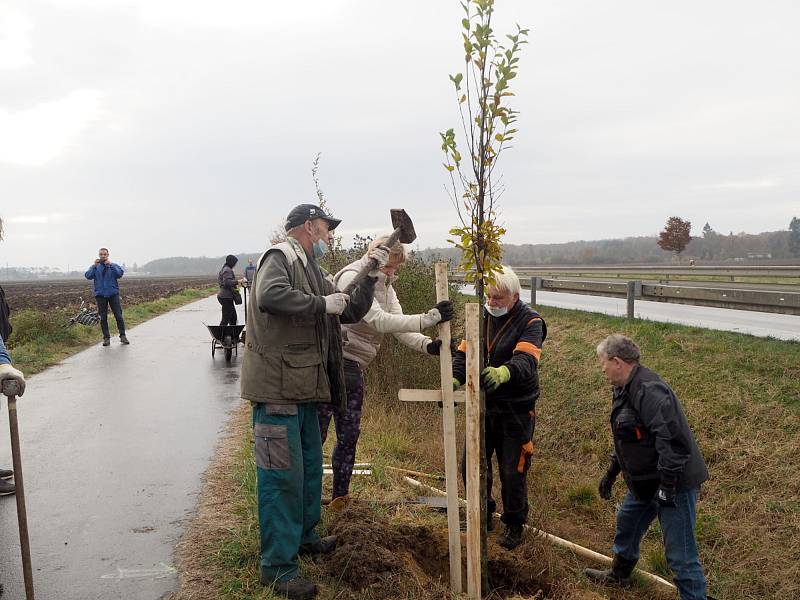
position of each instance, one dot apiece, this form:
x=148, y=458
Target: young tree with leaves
x=483, y=92
x=675, y=236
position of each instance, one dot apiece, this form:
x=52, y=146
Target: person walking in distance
x=105, y=275
x=228, y=291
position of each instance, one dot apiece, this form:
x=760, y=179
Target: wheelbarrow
x=226, y=338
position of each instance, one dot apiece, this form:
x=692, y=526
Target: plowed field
x=47, y=295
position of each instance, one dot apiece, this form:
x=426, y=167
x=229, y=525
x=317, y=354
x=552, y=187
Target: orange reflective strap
x=528, y=348
x=527, y=450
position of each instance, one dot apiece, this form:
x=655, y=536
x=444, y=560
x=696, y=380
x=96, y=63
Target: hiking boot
x=294, y=589
x=123, y=340
x=324, y=545
x=6, y=473
x=6, y=488
x=106, y=341
x=512, y=537
x=618, y=574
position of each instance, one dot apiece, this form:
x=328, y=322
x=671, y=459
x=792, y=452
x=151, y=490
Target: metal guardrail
x=777, y=301
x=704, y=270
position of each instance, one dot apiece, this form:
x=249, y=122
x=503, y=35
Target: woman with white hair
x=513, y=338
x=361, y=342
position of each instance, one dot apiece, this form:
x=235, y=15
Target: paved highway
x=784, y=327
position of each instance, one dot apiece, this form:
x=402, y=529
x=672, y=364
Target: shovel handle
x=10, y=389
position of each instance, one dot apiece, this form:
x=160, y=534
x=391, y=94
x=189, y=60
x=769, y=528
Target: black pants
x=116, y=308
x=509, y=437
x=228, y=311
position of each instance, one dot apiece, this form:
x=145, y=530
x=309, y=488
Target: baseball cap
x=308, y=212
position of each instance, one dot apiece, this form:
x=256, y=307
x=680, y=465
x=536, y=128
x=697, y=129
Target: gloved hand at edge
x=493, y=377
x=9, y=372
x=446, y=310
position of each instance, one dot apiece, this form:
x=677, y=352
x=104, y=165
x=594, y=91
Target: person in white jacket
x=361, y=342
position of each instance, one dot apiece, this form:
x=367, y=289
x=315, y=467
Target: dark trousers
x=228, y=311
x=116, y=308
x=509, y=437
x=348, y=428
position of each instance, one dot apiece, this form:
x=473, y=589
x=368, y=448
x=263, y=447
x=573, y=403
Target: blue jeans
x=116, y=307
x=677, y=525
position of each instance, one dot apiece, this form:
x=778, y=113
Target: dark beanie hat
x=231, y=260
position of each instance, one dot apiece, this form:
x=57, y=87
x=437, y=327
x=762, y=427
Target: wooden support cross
x=448, y=398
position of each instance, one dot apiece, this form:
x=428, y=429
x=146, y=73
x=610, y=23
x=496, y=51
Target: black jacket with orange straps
x=514, y=340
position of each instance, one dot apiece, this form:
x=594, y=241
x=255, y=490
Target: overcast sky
x=188, y=127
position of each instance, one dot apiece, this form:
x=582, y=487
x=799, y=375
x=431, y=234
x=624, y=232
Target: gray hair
x=619, y=346
x=506, y=281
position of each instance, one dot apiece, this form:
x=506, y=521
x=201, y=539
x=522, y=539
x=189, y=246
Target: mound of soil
x=390, y=558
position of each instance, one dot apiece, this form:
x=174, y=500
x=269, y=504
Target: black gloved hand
x=607, y=482
x=446, y=309
x=665, y=495
x=435, y=347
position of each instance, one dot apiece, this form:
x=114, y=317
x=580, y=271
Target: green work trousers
x=289, y=468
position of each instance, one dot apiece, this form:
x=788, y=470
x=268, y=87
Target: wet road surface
x=114, y=444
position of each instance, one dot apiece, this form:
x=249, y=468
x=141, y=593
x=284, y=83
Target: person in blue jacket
x=106, y=293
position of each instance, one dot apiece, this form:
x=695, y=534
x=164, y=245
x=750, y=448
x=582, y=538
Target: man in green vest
x=292, y=362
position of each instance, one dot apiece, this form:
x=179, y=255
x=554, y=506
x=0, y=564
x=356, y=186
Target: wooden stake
x=449, y=426
x=473, y=452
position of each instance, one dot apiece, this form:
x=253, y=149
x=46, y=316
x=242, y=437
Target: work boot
x=106, y=341
x=618, y=574
x=6, y=473
x=6, y=488
x=294, y=589
x=123, y=340
x=324, y=545
x=512, y=537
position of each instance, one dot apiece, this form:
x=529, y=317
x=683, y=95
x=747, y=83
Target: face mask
x=495, y=312
x=319, y=248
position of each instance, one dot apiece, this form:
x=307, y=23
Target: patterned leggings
x=348, y=427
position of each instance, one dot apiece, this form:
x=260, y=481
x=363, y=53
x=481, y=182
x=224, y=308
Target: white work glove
x=336, y=303
x=380, y=254
x=9, y=372
x=430, y=318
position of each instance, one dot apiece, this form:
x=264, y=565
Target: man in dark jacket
x=662, y=466
x=514, y=334
x=292, y=362
x=106, y=293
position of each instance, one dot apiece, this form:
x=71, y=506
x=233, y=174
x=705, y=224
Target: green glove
x=456, y=384
x=494, y=377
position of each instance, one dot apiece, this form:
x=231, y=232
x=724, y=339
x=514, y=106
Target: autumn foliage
x=676, y=235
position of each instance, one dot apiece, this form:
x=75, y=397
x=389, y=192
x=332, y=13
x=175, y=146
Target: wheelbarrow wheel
x=228, y=344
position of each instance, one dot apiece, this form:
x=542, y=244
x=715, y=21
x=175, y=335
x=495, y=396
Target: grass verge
x=742, y=398
x=41, y=338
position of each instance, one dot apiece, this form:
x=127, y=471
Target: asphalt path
x=114, y=444
x=784, y=327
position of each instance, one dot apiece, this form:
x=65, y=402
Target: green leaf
x=465, y=23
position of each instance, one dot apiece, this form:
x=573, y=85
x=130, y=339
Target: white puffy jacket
x=363, y=339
